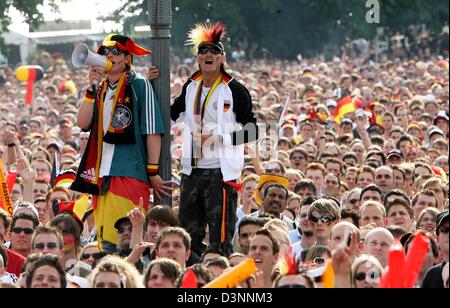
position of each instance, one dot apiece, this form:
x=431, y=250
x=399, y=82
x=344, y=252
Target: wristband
x=152, y=170
x=11, y=145
x=89, y=98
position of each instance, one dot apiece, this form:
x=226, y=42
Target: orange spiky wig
x=209, y=33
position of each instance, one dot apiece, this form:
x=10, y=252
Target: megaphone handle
x=94, y=86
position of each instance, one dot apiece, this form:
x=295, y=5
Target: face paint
x=69, y=243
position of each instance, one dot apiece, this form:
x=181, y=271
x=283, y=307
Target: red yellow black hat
x=124, y=43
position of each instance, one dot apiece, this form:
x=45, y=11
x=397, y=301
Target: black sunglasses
x=96, y=255
x=212, y=50
x=361, y=276
x=443, y=230
x=353, y=201
x=292, y=286
x=324, y=219
x=18, y=230
x=114, y=50
x=270, y=171
x=123, y=229
x=41, y=246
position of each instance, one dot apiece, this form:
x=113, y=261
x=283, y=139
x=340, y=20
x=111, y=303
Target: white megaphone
x=83, y=56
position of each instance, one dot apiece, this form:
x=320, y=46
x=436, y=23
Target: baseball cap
x=121, y=221
x=376, y=129
x=441, y=115
x=435, y=131
x=441, y=218
x=331, y=103
x=395, y=152
x=66, y=123
x=346, y=121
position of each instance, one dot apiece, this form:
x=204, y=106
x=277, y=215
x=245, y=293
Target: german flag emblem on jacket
x=226, y=106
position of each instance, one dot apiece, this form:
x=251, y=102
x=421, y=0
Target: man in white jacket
x=218, y=121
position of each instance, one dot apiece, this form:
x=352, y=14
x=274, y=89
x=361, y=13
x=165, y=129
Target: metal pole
x=160, y=20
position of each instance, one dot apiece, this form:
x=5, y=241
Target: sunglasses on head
x=325, y=219
x=96, y=255
x=41, y=246
x=114, y=50
x=18, y=230
x=212, y=50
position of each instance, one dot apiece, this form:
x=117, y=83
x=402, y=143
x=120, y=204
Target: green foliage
x=283, y=28
x=28, y=8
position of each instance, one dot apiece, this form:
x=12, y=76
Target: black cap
x=121, y=221
x=441, y=218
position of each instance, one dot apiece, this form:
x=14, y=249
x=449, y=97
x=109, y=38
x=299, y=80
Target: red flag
x=394, y=276
x=11, y=179
x=344, y=106
x=189, y=280
x=30, y=84
x=417, y=253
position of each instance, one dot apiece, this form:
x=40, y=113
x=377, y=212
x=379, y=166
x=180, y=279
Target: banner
x=6, y=200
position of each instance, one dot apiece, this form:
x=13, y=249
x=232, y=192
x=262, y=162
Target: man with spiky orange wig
x=218, y=122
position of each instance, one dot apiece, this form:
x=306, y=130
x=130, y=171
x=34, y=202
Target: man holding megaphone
x=122, y=113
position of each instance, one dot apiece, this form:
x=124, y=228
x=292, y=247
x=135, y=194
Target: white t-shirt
x=108, y=149
x=210, y=155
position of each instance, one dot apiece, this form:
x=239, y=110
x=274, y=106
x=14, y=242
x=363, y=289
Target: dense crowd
x=352, y=158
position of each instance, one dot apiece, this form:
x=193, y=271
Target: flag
x=417, y=252
x=328, y=276
x=4, y=193
x=11, y=179
x=344, y=106
x=401, y=272
x=55, y=171
x=374, y=119
x=189, y=280
x=313, y=115
x=81, y=206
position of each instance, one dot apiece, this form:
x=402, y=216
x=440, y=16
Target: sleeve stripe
x=147, y=106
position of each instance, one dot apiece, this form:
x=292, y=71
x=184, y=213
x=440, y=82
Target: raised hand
x=136, y=216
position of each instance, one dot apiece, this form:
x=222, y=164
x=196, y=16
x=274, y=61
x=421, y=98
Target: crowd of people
x=351, y=159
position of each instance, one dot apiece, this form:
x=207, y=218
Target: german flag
x=226, y=106
x=122, y=197
x=374, y=119
x=344, y=106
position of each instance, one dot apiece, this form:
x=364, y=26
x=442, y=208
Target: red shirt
x=15, y=262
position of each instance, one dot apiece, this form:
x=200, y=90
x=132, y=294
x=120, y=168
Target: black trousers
x=206, y=200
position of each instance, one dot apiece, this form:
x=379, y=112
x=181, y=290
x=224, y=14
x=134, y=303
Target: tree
x=29, y=10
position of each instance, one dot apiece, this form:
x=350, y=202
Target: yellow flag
x=6, y=200
x=328, y=277
x=81, y=206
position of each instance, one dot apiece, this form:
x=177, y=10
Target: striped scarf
x=120, y=131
